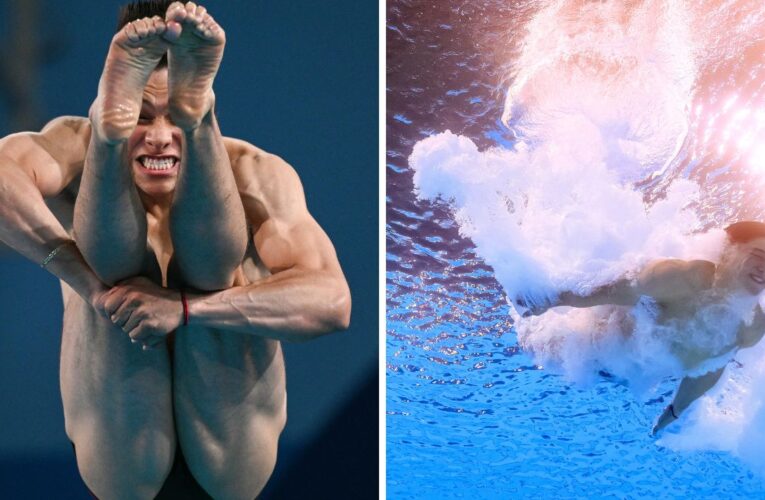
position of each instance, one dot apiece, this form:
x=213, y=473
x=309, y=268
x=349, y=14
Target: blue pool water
x=469, y=414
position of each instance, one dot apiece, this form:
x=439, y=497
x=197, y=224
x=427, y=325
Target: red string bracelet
x=185, y=308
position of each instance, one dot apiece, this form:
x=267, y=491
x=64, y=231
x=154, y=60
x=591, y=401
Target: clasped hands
x=144, y=310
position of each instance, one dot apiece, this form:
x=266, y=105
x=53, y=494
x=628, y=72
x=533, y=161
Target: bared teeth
x=157, y=163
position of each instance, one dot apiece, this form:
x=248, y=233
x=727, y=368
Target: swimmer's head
x=140, y=9
x=154, y=148
x=746, y=254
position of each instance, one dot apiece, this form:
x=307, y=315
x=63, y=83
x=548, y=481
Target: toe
x=176, y=12
x=159, y=25
x=151, y=27
x=172, y=31
x=191, y=13
x=142, y=28
x=131, y=32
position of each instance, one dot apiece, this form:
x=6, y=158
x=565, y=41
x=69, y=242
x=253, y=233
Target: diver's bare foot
x=667, y=417
x=133, y=55
x=193, y=61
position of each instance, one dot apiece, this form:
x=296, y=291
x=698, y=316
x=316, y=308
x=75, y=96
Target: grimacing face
x=752, y=270
x=154, y=148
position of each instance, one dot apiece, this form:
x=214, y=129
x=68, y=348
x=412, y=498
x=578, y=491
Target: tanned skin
x=148, y=188
x=676, y=286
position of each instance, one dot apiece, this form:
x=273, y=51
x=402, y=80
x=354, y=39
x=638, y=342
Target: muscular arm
x=664, y=280
x=34, y=166
x=307, y=294
x=298, y=303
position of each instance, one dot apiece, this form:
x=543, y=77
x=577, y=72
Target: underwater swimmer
x=716, y=301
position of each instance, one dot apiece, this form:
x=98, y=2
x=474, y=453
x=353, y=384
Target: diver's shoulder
x=249, y=161
x=238, y=148
x=65, y=139
x=672, y=279
x=701, y=273
x=75, y=124
x=700, y=268
x=67, y=129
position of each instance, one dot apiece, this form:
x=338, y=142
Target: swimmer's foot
x=193, y=61
x=667, y=417
x=134, y=53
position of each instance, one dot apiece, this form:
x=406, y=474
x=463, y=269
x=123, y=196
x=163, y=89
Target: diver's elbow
x=333, y=316
x=339, y=317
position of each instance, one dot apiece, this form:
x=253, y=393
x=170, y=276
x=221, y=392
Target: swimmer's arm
x=34, y=166
x=665, y=280
x=673, y=279
x=621, y=292
x=307, y=294
x=690, y=389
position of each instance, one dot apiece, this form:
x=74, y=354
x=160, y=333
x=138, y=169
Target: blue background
x=299, y=79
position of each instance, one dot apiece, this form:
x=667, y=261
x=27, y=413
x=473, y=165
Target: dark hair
x=745, y=231
x=140, y=9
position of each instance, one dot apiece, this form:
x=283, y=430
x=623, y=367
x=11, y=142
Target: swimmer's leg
x=230, y=401
x=230, y=409
x=118, y=405
x=207, y=221
x=109, y=219
x=690, y=389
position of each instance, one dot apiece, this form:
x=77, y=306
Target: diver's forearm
x=292, y=305
x=31, y=229
x=621, y=292
x=109, y=219
x=207, y=220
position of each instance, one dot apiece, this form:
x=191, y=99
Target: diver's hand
x=145, y=311
x=668, y=416
x=527, y=308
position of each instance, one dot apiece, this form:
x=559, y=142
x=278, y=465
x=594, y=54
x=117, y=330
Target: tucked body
x=137, y=203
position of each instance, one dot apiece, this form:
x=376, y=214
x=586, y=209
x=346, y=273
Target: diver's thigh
x=117, y=405
x=230, y=406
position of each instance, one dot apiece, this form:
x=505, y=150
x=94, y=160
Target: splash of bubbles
x=600, y=99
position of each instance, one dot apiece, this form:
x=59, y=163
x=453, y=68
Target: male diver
x=694, y=295
x=185, y=257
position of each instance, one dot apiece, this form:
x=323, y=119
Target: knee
x=245, y=486
x=202, y=278
x=210, y=281
x=137, y=472
x=237, y=476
